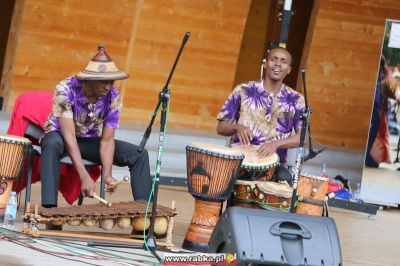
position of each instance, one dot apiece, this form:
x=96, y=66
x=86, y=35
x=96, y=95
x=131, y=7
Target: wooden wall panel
x=342, y=59
x=205, y=73
x=58, y=38
x=254, y=41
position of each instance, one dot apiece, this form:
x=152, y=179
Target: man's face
x=278, y=64
x=102, y=87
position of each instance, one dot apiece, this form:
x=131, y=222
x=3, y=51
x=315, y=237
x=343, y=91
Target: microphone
x=312, y=153
x=186, y=37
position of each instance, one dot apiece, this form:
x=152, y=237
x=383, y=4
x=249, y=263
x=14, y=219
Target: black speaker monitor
x=261, y=237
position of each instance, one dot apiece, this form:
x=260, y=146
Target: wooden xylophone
x=122, y=215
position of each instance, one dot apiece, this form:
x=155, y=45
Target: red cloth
x=380, y=150
x=35, y=107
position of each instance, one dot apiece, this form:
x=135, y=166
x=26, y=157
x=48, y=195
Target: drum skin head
x=252, y=161
x=218, y=149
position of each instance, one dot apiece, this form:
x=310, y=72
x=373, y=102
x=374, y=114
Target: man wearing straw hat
x=85, y=114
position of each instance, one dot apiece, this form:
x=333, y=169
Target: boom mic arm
x=312, y=153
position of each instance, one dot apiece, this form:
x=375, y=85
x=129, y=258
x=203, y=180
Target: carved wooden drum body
x=259, y=194
x=211, y=173
x=312, y=192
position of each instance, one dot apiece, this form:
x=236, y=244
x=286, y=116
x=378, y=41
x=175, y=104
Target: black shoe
x=50, y=226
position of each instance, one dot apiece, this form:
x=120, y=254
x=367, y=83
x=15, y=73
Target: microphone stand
x=163, y=101
x=305, y=118
x=303, y=78
x=285, y=22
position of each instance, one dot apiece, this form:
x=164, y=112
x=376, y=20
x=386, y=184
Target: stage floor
x=364, y=240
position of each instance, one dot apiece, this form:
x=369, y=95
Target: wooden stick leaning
x=109, y=204
x=170, y=228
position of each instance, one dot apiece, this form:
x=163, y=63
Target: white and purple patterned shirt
x=269, y=117
x=70, y=102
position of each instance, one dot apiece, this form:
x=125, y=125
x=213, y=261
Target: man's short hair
x=281, y=48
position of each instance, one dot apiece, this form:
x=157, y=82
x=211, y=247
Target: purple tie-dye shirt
x=269, y=117
x=70, y=102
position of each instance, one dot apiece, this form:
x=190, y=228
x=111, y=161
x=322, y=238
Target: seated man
x=265, y=112
x=85, y=114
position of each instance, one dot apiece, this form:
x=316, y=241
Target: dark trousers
x=125, y=154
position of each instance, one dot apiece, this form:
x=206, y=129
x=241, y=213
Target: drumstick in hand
x=109, y=204
x=116, y=183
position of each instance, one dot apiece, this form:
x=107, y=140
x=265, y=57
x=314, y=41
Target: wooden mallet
x=123, y=180
x=109, y=204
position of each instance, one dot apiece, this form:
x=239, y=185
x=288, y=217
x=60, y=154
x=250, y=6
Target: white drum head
x=252, y=161
x=277, y=189
x=12, y=138
x=219, y=149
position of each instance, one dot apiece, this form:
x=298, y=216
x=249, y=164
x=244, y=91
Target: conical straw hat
x=101, y=67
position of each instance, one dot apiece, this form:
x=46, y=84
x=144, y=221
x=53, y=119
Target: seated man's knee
x=143, y=155
x=53, y=141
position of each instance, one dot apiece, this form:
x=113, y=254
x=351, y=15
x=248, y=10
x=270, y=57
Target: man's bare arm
x=107, y=147
x=227, y=129
x=68, y=131
x=270, y=148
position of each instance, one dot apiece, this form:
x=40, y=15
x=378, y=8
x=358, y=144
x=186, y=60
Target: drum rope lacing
x=271, y=206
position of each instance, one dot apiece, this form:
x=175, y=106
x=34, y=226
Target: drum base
x=309, y=209
x=205, y=217
x=199, y=247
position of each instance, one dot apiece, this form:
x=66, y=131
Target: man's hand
x=245, y=134
x=110, y=184
x=267, y=149
x=87, y=187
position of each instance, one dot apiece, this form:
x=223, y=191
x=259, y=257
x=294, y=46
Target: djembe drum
x=13, y=151
x=260, y=194
x=312, y=192
x=244, y=194
x=255, y=168
x=211, y=173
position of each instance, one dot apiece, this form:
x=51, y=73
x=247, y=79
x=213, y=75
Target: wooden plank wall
x=342, y=61
x=59, y=37
x=205, y=73
x=254, y=39
x=341, y=55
